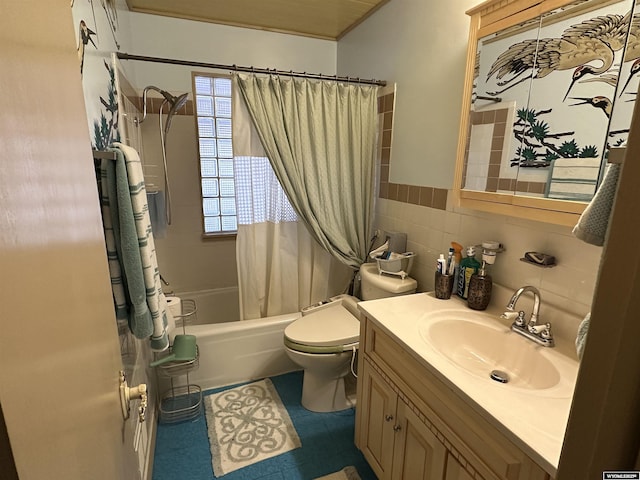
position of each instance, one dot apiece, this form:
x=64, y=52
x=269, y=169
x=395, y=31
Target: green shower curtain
x=320, y=137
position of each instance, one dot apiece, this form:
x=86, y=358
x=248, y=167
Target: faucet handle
x=517, y=317
x=536, y=329
x=546, y=333
x=543, y=330
x=509, y=315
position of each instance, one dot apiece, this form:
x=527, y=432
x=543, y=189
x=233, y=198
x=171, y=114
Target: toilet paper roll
x=174, y=310
x=175, y=305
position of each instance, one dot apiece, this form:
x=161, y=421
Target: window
x=235, y=190
x=260, y=197
x=215, y=146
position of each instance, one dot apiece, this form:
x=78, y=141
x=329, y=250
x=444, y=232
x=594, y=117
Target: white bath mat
x=347, y=473
x=247, y=424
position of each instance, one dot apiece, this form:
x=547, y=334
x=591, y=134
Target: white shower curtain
x=281, y=268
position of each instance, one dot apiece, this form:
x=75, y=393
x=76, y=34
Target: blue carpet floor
x=182, y=449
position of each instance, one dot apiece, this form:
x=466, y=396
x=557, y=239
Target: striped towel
x=135, y=278
x=111, y=226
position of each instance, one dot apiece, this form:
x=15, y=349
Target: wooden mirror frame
x=487, y=18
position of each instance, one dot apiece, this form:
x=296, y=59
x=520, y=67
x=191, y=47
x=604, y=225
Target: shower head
x=176, y=104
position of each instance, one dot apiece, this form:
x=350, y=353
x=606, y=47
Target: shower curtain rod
x=237, y=68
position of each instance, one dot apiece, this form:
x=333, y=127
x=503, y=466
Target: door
x=418, y=454
x=378, y=419
x=59, y=352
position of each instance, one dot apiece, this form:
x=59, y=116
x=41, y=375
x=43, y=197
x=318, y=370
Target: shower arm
x=174, y=102
x=144, y=101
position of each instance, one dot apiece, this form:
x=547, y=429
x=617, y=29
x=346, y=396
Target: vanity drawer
x=464, y=431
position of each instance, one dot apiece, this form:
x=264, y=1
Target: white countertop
x=534, y=420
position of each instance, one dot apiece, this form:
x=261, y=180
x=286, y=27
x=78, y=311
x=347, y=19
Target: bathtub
x=240, y=351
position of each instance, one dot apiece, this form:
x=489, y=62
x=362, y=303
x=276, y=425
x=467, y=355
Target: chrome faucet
x=169, y=292
x=541, y=334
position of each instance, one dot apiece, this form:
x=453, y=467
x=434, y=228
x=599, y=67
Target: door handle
x=130, y=393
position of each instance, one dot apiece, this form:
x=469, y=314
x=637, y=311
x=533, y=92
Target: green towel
x=140, y=320
x=581, y=338
x=593, y=223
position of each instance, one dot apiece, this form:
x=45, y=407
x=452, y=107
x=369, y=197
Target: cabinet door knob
x=397, y=428
x=388, y=418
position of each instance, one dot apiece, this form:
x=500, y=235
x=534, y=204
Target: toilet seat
x=300, y=347
x=330, y=330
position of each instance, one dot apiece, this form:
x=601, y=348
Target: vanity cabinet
x=397, y=444
x=411, y=425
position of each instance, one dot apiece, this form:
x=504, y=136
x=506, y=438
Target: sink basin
x=481, y=345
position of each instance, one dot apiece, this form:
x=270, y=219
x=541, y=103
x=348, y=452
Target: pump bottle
x=480, y=286
x=481, y=283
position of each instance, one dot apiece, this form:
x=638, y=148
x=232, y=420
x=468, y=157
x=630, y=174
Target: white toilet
x=325, y=339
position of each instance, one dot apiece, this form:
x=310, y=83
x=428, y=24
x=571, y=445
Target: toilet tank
x=374, y=285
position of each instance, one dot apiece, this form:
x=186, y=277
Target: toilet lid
x=333, y=326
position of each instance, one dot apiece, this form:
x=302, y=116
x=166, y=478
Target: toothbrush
x=448, y=270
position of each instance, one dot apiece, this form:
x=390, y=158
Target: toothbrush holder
x=444, y=285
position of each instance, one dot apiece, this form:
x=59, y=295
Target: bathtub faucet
x=170, y=292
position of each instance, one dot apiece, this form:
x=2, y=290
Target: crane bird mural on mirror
x=616, y=137
x=635, y=68
x=587, y=47
x=631, y=54
x=600, y=102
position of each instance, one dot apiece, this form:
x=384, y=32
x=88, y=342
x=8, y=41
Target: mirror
x=551, y=90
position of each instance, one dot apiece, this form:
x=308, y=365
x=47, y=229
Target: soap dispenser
x=481, y=283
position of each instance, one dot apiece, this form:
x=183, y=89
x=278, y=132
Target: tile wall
x=189, y=261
